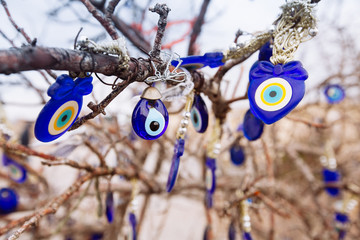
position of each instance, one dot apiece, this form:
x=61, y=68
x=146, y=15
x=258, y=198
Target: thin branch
x=163, y=11
x=197, y=27
x=105, y=22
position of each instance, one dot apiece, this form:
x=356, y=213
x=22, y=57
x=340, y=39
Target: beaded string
x=213, y=147
x=296, y=25
x=180, y=134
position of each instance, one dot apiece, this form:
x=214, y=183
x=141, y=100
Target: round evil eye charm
x=8, y=200
x=199, y=114
x=334, y=93
x=275, y=90
x=61, y=111
x=15, y=171
x=253, y=127
x=150, y=117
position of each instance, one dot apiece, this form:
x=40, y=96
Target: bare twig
x=163, y=11
x=197, y=27
x=102, y=20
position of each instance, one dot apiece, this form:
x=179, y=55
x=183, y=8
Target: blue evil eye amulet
x=212, y=59
x=64, y=107
x=275, y=90
x=237, y=154
x=8, y=200
x=199, y=114
x=334, y=93
x=109, y=202
x=150, y=117
x=174, y=169
x=132, y=230
x=16, y=171
x=252, y=126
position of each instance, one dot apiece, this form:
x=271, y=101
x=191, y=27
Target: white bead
x=187, y=114
x=184, y=123
x=313, y=32
x=182, y=130
x=232, y=47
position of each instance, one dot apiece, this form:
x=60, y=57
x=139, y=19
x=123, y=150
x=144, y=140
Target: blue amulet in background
x=150, y=117
x=61, y=111
x=275, y=90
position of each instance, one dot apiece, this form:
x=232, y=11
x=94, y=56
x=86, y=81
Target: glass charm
x=237, y=154
x=8, y=200
x=275, y=90
x=61, y=111
x=212, y=59
x=109, y=202
x=150, y=117
x=199, y=114
x=132, y=231
x=331, y=176
x=253, y=127
x=210, y=175
x=16, y=171
x=207, y=233
x=178, y=152
x=334, y=93
x=247, y=236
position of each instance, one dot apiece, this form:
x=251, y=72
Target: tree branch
x=197, y=27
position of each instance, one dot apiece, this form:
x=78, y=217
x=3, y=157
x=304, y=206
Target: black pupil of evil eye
x=154, y=125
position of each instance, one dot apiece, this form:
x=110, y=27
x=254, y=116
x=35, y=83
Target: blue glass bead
x=275, y=90
x=207, y=233
x=199, y=114
x=237, y=154
x=331, y=176
x=212, y=59
x=232, y=231
x=253, y=127
x=265, y=52
x=341, y=217
x=109, y=202
x=173, y=173
x=150, y=119
x=334, y=93
x=247, y=236
x=8, y=200
x=132, y=221
x=16, y=171
x=210, y=175
x=64, y=107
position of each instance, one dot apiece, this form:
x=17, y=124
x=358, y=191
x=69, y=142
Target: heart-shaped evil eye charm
x=8, y=200
x=237, y=154
x=275, y=90
x=199, y=114
x=334, y=93
x=232, y=231
x=253, y=127
x=174, y=169
x=150, y=117
x=331, y=176
x=132, y=224
x=61, y=111
x=210, y=180
x=109, y=202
